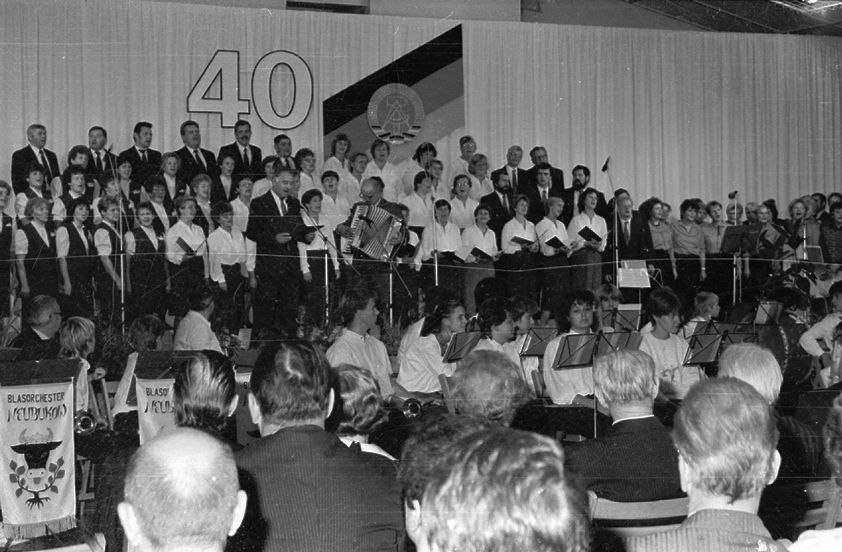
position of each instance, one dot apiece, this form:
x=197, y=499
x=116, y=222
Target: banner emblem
x=395, y=113
x=35, y=477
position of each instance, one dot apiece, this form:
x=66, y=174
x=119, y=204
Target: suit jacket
x=109, y=165
x=567, y=211
x=265, y=222
x=218, y=190
x=557, y=176
x=710, y=531
x=190, y=168
x=142, y=171
x=639, y=245
x=499, y=215
x=522, y=178
x=24, y=158
x=634, y=461
x=34, y=348
x=309, y=492
x=537, y=209
x=254, y=169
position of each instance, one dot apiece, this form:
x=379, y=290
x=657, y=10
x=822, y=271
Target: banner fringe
x=33, y=530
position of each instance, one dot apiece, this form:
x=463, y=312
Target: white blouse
x=226, y=248
x=318, y=243
x=436, y=238
x=420, y=209
x=480, y=188
x=548, y=229
x=462, y=214
x=474, y=237
x=334, y=211
x=512, y=229
x=192, y=235
x=597, y=224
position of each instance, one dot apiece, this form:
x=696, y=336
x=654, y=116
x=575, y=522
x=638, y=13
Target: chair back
x=446, y=393
x=538, y=384
x=631, y=519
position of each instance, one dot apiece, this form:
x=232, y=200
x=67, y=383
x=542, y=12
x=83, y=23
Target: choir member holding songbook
x=441, y=240
x=319, y=259
x=554, y=276
x=109, y=247
x=230, y=265
x=588, y=232
x=186, y=249
x=519, y=243
x=480, y=244
x=74, y=248
x=147, y=274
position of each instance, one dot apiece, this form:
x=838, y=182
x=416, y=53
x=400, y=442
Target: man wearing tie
x=194, y=159
x=34, y=153
x=145, y=161
x=633, y=237
x=283, y=149
x=248, y=158
x=539, y=192
x=517, y=177
x=499, y=203
x=275, y=226
x=538, y=154
x=101, y=161
x=581, y=180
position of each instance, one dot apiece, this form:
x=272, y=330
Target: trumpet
x=84, y=423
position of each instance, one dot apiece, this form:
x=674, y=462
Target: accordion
x=373, y=229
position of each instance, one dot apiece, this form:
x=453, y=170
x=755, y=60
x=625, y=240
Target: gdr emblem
x=395, y=113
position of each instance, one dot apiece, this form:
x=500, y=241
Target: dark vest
x=149, y=259
x=80, y=256
x=30, y=193
x=6, y=257
x=116, y=251
x=40, y=260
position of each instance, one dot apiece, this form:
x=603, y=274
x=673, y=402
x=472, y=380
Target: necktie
x=626, y=232
x=506, y=204
x=246, y=161
x=514, y=180
x=98, y=162
x=199, y=159
x=46, y=165
x=544, y=196
x=283, y=207
x=143, y=156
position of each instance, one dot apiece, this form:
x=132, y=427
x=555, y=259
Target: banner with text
x=155, y=412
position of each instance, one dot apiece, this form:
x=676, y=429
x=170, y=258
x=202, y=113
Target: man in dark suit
x=517, y=177
x=306, y=489
x=581, y=179
x=538, y=154
x=34, y=153
x=39, y=339
x=634, y=461
x=499, y=203
x=275, y=226
x=539, y=192
x=283, y=149
x=248, y=158
x=195, y=160
x=725, y=436
x=102, y=161
x=633, y=237
x=145, y=161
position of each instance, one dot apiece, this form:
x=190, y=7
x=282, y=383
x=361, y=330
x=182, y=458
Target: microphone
x=733, y=194
x=605, y=165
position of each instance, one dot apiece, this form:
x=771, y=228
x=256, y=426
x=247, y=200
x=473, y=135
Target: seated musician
x=826, y=330
x=576, y=316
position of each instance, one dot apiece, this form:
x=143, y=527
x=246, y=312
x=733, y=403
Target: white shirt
x=226, y=248
x=597, y=224
x=527, y=364
x=194, y=334
x=364, y=351
x=512, y=229
x=334, y=164
x=131, y=243
x=420, y=209
x=349, y=188
x=548, y=229
x=564, y=385
x=226, y=182
x=21, y=200
x=474, y=237
x=436, y=238
x=241, y=214
x=102, y=240
x=421, y=364
x=60, y=209
x=334, y=211
x=369, y=448
x=261, y=187
x=170, y=181
x=668, y=355
x=193, y=235
x=823, y=329
x=391, y=178
x=462, y=214
x=480, y=188
x=488, y=344
x=308, y=183
x=63, y=239
x=22, y=242
x=409, y=169
x=318, y=243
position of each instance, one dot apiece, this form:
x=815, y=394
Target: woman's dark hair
x=442, y=203
x=646, y=207
x=301, y=154
x=145, y=331
x=220, y=208
x=580, y=297
x=583, y=196
x=518, y=198
x=340, y=138
x=432, y=322
x=203, y=391
x=492, y=312
x=354, y=300
x=661, y=302
x=422, y=149
x=359, y=402
x=309, y=195
x=520, y=306
x=76, y=150
x=772, y=205
x=459, y=177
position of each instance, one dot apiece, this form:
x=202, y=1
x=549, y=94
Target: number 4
x=224, y=66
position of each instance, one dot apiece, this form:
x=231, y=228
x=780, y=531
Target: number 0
x=261, y=89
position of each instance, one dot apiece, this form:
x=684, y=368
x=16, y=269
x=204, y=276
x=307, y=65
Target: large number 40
x=225, y=67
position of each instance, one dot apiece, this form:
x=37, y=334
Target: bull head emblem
x=36, y=477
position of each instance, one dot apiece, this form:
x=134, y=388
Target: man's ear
x=776, y=465
x=331, y=402
x=254, y=410
x=683, y=474
x=239, y=513
x=131, y=527
x=232, y=408
x=412, y=519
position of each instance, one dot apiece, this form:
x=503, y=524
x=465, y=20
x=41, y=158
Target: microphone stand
x=616, y=217
x=736, y=283
x=327, y=264
x=122, y=257
x=435, y=248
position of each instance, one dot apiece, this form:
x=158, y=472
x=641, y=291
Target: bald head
x=181, y=490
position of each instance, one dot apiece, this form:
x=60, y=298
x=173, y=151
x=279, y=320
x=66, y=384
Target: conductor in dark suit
x=145, y=161
x=307, y=491
x=538, y=154
x=517, y=177
x=539, y=192
x=248, y=158
x=634, y=461
x=499, y=203
x=34, y=153
x=634, y=239
x=195, y=160
x=101, y=161
x=275, y=226
x=581, y=181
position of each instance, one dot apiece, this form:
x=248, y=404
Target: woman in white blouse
x=319, y=260
x=462, y=205
x=420, y=203
x=419, y=162
x=478, y=173
x=338, y=161
x=231, y=266
x=481, y=265
x=586, y=259
x=305, y=160
x=380, y=166
x=519, y=243
x=555, y=267
x=186, y=248
x=443, y=240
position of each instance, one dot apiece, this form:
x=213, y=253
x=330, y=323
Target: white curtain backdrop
x=680, y=113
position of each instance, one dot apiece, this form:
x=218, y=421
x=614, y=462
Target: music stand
x=536, y=341
x=768, y=312
x=814, y=254
x=703, y=349
x=628, y=317
x=38, y=371
x=460, y=345
x=733, y=338
x=155, y=365
x=732, y=244
x=575, y=351
x=616, y=341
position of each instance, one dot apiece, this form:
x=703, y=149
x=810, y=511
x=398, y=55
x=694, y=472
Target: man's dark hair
x=377, y=180
x=353, y=300
x=424, y=450
x=663, y=301
x=185, y=124
x=200, y=298
x=492, y=312
x=822, y=199
x=291, y=382
x=280, y=137
x=583, y=168
x=99, y=128
x=203, y=391
x=140, y=126
x=543, y=167
x=834, y=207
x=241, y=123
x=41, y=309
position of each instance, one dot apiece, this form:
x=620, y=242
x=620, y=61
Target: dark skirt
x=585, y=269
x=473, y=274
x=184, y=278
x=554, y=278
x=519, y=274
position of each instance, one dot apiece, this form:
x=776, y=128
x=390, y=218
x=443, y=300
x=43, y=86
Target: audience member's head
x=422, y=457
x=624, y=381
x=201, y=300
x=359, y=404
x=77, y=338
x=833, y=440
x=358, y=307
x=205, y=393
x=289, y=386
x=145, y=333
x=181, y=492
x=576, y=312
x=503, y=490
x=755, y=365
x=726, y=438
x=44, y=315
x=487, y=384
x=495, y=319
